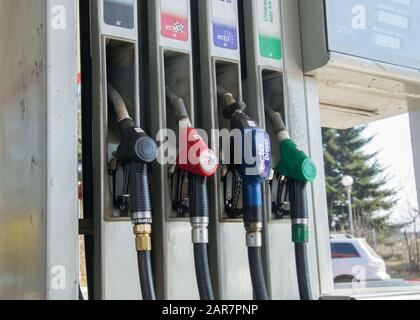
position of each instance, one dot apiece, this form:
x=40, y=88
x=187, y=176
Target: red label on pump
x=174, y=27
x=194, y=154
x=174, y=16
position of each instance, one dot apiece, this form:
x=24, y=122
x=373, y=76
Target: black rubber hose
x=298, y=200
x=140, y=202
x=199, y=208
x=199, y=203
x=301, y=253
x=299, y=211
x=139, y=189
x=146, y=275
x=202, y=271
x=257, y=273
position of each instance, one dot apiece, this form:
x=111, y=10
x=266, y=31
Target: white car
x=354, y=260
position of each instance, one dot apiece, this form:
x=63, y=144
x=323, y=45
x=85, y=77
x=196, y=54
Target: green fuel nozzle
x=298, y=169
x=294, y=163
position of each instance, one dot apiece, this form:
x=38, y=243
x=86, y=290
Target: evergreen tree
x=345, y=155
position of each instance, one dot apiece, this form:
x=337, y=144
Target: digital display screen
x=119, y=13
x=381, y=30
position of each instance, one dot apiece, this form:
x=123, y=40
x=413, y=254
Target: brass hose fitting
x=143, y=233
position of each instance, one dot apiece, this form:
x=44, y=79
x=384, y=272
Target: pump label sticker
x=174, y=17
x=119, y=13
x=269, y=29
x=225, y=24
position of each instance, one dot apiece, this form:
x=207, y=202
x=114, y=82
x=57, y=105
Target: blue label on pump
x=263, y=154
x=225, y=30
x=256, y=165
x=225, y=36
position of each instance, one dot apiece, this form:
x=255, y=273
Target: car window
x=369, y=248
x=344, y=251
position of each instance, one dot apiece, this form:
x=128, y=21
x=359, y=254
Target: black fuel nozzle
x=136, y=146
x=134, y=153
x=131, y=186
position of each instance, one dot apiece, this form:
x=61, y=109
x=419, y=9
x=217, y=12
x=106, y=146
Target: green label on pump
x=270, y=47
x=269, y=29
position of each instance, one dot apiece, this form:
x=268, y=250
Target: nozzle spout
x=178, y=105
x=225, y=96
x=120, y=107
x=276, y=119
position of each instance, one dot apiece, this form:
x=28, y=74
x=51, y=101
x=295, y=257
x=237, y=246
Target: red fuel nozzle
x=194, y=154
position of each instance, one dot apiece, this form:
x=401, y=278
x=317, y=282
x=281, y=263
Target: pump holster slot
x=280, y=197
x=179, y=192
x=232, y=184
x=120, y=186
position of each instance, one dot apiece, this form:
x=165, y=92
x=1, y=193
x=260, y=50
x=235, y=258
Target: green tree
x=345, y=155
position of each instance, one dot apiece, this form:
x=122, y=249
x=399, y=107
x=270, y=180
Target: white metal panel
x=415, y=140
x=170, y=35
x=23, y=120
x=116, y=271
x=38, y=142
x=319, y=192
x=228, y=252
x=62, y=204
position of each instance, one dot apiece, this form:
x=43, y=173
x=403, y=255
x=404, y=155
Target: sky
x=393, y=141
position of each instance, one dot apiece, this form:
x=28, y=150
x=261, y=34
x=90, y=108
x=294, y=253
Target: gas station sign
x=380, y=30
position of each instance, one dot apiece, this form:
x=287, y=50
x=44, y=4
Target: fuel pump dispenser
x=131, y=186
x=252, y=173
x=274, y=81
x=170, y=83
x=299, y=170
x=121, y=151
x=217, y=62
x=196, y=162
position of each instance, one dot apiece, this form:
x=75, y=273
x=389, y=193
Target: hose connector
x=143, y=233
x=300, y=231
x=200, y=231
x=254, y=234
x=299, y=211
